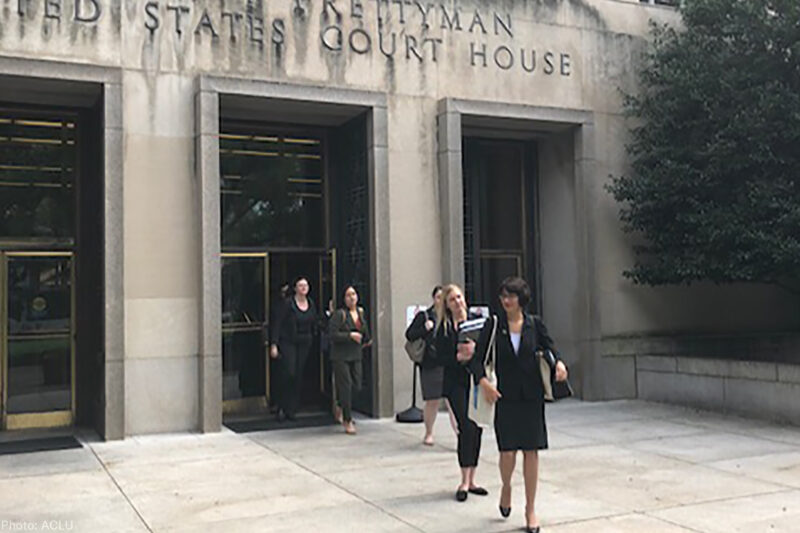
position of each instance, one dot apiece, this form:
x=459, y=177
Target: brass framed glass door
x=328, y=302
x=245, y=312
x=37, y=340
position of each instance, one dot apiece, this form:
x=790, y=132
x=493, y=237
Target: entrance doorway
x=282, y=194
x=252, y=285
x=50, y=266
x=499, y=216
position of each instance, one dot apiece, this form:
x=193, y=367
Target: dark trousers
x=469, y=433
x=292, y=363
x=347, y=375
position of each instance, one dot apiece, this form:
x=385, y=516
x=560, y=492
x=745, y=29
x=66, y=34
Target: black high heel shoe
x=505, y=511
x=536, y=529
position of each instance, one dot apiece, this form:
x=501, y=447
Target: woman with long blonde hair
x=455, y=357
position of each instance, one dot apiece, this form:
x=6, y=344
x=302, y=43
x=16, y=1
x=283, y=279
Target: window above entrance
x=38, y=160
x=272, y=186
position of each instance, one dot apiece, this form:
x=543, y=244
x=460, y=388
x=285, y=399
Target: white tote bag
x=480, y=410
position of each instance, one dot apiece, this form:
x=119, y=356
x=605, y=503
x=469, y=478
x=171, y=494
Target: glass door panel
x=244, y=311
x=38, y=339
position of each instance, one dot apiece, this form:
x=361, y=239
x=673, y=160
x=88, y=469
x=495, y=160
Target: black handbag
x=553, y=390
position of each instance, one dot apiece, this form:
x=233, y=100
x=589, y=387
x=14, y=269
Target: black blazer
x=284, y=326
x=456, y=374
x=518, y=376
x=416, y=330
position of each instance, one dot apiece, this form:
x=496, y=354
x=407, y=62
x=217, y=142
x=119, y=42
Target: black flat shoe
x=461, y=495
x=505, y=511
x=479, y=491
x=529, y=529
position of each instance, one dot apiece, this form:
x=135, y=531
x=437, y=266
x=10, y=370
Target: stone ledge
x=657, y=363
x=789, y=373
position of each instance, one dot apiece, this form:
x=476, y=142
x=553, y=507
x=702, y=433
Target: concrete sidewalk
x=613, y=467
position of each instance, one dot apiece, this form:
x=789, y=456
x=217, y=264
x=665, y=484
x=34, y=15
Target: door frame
x=253, y=403
x=44, y=419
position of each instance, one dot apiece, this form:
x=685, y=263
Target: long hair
x=444, y=318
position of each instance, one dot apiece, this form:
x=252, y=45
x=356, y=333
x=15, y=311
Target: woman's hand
x=465, y=351
x=429, y=325
x=561, y=371
x=356, y=336
x=490, y=392
x=273, y=351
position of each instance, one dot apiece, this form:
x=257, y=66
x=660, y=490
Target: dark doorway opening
x=499, y=216
x=293, y=204
x=51, y=254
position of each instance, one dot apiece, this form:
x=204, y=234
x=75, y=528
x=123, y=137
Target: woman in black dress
x=431, y=372
x=293, y=333
x=455, y=357
x=519, y=422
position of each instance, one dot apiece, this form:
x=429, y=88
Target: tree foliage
x=714, y=190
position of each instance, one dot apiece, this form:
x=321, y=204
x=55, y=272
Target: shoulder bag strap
x=492, y=345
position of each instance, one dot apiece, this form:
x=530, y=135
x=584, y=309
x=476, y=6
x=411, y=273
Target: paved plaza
x=624, y=466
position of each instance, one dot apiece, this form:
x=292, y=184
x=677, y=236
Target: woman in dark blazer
x=519, y=422
x=293, y=331
x=349, y=334
x=431, y=372
x=455, y=356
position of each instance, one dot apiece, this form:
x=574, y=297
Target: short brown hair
x=518, y=286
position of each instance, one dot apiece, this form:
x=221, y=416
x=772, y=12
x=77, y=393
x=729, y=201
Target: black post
x=412, y=415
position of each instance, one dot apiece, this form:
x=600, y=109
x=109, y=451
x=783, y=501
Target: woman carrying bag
x=455, y=354
x=349, y=335
x=519, y=397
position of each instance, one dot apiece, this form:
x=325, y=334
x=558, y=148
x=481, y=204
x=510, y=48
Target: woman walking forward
x=455, y=356
x=519, y=422
x=349, y=335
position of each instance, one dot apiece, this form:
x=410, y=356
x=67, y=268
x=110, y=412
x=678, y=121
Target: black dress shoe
x=461, y=495
x=505, y=511
x=479, y=491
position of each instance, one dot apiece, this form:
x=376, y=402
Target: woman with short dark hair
x=519, y=422
x=349, y=335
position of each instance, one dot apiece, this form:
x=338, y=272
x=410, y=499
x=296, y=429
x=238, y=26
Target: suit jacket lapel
x=528, y=342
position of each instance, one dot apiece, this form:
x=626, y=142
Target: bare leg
x=453, y=421
x=531, y=473
x=508, y=460
x=429, y=415
x=466, y=477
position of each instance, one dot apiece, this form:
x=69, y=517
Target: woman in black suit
x=519, y=422
x=292, y=335
x=455, y=356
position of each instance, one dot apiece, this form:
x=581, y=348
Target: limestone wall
x=564, y=54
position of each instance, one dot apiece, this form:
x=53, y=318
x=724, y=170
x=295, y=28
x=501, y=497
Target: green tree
x=714, y=189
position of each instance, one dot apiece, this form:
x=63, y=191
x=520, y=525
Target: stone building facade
x=204, y=152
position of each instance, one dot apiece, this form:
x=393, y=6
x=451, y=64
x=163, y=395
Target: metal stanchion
x=412, y=415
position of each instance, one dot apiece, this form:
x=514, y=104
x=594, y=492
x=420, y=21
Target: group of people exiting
x=293, y=331
x=453, y=363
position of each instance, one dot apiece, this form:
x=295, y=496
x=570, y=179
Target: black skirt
x=432, y=380
x=520, y=425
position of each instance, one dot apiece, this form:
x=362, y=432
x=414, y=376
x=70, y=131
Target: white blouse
x=516, y=338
